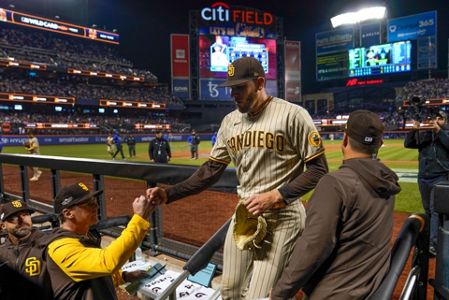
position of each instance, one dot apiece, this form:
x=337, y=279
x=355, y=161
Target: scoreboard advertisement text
x=18, y=18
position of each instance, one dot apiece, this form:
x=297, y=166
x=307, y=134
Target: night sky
x=145, y=25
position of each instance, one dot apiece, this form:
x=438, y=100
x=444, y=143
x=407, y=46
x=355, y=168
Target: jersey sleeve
x=306, y=137
x=82, y=263
x=219, y=152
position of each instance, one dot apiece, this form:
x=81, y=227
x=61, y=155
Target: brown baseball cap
x=10, y=208
x=242, y=70
x=72, y=195
x=365, y=127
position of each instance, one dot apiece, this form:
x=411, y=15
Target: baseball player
x=33, y=148
x=270, y=141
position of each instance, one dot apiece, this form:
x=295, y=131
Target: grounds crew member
x=159, y=149
x=270, y=141
x=344, y=251
x=433, y=146
x=77, y=266
x=194, y=140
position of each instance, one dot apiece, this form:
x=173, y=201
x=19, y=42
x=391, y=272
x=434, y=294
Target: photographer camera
x=432, y=143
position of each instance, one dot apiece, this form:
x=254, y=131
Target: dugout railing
x=98, y=170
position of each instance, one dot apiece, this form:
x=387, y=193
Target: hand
x=257, y=204
x=416, y=124
x=435, y=126
x=157, y=195
x=134, y=275
x=143, y=207
x=168, y=158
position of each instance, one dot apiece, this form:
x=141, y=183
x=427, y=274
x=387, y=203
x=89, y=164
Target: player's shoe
x=34, y=178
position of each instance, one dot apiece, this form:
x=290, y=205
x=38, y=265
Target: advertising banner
x=412, y=27
x=181, y=88
x=221, y=18
x=180, y=56
x=334, y=41
x=20, y=140
x=370, y=34
x=210, y=90
x=292, y=58
x=427, y=53
x=37, y=22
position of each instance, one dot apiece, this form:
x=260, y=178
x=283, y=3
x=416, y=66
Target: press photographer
x=432, y=142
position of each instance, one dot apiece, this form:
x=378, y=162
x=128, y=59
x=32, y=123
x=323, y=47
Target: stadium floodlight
x=370, y=13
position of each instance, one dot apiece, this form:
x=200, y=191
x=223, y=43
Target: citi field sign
x=222, y=12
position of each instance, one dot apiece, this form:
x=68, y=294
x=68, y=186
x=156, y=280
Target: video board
x=380, y=59
x=217, y=52
x=332, y=66
x=18, y=18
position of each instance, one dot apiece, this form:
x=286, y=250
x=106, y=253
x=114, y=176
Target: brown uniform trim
x=207, y=174
x=219, y=160
x=304, y=182
x=314, y=156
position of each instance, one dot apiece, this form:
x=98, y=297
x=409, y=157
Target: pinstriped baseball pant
x=250, y=274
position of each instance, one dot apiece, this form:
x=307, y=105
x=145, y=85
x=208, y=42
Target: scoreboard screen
x=217, y=52
x=380, y=59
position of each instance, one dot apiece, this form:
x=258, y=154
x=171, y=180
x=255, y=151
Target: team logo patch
x=315, y=139
x=231, y=70
x=16, y=204
x=33, y=266
x=83, y=186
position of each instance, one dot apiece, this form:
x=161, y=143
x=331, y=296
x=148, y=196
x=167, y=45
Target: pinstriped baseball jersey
x=269, y=150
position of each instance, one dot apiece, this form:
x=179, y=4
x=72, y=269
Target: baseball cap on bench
x=242, y=70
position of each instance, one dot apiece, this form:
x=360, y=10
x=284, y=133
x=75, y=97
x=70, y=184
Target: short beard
x=21, y=232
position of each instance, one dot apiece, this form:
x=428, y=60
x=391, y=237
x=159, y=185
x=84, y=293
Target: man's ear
x=2, y=225
x=67, y=213
x=260, y=83
x=345, y=140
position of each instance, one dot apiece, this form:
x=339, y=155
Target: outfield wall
x=19, y=140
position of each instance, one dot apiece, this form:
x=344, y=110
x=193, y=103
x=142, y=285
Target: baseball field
x=393, y=154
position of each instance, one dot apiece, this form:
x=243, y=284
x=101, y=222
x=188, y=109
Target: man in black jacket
x=433, y=146
x=159, y=149
x=344, y=251
x=22, y=252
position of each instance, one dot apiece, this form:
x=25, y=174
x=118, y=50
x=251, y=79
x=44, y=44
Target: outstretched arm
x=205, y=176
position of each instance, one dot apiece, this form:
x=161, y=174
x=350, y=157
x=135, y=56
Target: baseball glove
x=249, y=230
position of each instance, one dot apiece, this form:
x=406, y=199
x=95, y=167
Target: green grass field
x=393, y=154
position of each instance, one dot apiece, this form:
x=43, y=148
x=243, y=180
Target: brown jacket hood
x=374, y=175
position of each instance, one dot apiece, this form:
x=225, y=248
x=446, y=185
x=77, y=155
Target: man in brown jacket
x=344, y=251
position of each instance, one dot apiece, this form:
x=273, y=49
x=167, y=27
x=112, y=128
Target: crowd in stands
x=104, y=124
x=66, y=52
x=434, y=88
x=391, y=119
x=80, y=87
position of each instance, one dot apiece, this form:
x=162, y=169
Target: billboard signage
x=292, y=58
x=210, y=90
x=412, y=27
x=37, y=22
x=427, y=53
x=180, y=56
x=370, y=34
x=181, y=88
x=222, y=19
x=334, y=41
x=222, y=12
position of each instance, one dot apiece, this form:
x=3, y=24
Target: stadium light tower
x=355, y=17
